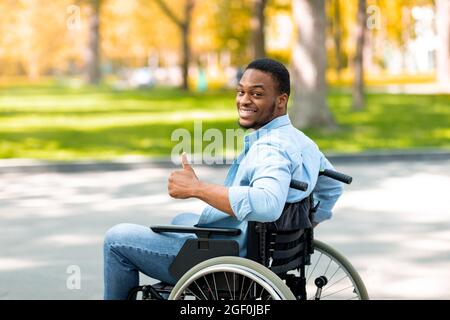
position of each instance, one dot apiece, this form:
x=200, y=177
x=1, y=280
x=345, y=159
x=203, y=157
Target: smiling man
x=256, y=187
x=262, y=96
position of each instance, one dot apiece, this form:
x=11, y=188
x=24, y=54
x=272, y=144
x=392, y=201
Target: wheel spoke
x=192, y=292
x=333, y=293
x=207, y=283
x=228, y=285
x=200, y=290
x=317, y=262
x=262, y=291
x=335, y=272
x=234, y=286
x=242, y=287
x=328, y=287
x=249, y=288
x=328, y=266
x=215, y=286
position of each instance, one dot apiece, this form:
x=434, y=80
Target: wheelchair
x=282, y=262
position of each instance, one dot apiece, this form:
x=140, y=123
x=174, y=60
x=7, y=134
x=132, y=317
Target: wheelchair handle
x=336, y=175
x=303, y=186
x=295, y=184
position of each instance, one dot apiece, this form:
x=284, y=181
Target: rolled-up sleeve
x=269, y=176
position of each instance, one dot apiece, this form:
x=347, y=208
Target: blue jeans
x=129, y=249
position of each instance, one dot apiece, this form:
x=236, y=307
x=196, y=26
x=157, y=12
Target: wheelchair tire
x=263, y=279
x=341, y=275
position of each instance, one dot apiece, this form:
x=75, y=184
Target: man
x=255, y=189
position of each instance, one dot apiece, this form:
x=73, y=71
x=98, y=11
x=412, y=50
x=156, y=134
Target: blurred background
x=109, y=78
x=91, y=92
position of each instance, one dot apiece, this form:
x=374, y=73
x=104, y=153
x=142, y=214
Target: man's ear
x=282, y=101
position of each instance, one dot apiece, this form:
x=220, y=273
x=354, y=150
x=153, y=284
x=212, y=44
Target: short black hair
x=276, y=69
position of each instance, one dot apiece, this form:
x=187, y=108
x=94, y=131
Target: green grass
x=59, y=123
x=390, y=121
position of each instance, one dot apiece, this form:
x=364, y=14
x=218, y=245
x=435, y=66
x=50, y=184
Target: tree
x=257, y=25
x=232, y=30
x=358, y=61
x=309, y=107
x=443, y=32
x=93, y=72
x=184, y=27
x=133, y=37
x=28, y=46
x=337, y=35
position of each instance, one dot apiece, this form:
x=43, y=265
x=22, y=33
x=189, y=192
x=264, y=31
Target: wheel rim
x=223, y=281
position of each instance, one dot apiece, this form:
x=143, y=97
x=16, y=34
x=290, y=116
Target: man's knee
x=185, y=219
x=118, y=233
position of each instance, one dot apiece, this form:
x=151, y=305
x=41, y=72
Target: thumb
x=184, y=161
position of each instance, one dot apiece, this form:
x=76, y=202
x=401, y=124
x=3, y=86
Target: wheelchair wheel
x=342, y=281
x=230, y=278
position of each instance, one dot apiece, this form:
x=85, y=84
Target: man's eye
x=240, y=93
x=256, y=94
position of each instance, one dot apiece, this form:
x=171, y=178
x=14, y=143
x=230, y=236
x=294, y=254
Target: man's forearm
x=214, y=195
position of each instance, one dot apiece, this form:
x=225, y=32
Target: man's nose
x=244, y=99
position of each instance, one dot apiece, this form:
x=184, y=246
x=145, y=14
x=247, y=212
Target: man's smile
x=246, y=111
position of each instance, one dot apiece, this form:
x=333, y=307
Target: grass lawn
x=58, y=123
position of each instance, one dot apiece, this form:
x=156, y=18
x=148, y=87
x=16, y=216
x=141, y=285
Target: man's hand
x=183, y=183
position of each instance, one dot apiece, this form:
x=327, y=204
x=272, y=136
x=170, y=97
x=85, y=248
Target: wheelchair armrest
x=200, y=232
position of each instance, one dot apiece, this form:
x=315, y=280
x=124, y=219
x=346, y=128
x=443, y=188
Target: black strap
x=287, y=253
x=288, y=266
x=288, y=237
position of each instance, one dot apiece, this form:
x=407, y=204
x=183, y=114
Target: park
x=99, y=98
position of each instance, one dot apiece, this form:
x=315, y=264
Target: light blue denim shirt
x=259, y=179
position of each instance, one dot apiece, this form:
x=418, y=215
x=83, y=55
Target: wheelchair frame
x=279, y=251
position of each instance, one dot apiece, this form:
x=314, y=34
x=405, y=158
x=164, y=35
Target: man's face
x=257, y=99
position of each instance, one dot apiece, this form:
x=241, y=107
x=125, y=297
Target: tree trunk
x=443, y=32
x=186, y=57
x=185, y=28
x=93, y=50
x=337, y=37
x=358, y=102
x=310, y=107
x=257, y=25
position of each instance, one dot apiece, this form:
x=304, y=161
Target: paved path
x=392, y=223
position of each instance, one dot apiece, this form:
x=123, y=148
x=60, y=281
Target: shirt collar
x=274, y=124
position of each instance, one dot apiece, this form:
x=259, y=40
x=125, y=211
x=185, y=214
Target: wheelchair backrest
x=284, y=244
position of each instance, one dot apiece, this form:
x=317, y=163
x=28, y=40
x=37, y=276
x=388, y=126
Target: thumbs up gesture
x=183, y=183
x=185, y=163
